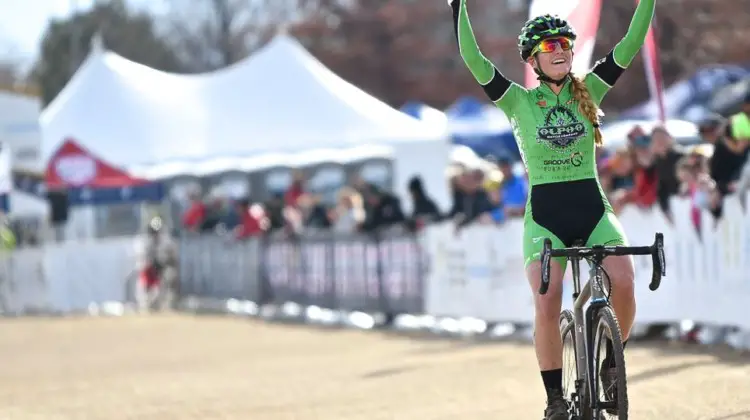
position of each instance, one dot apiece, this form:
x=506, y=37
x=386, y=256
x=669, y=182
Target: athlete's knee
x=547, y=306
x=621, y=273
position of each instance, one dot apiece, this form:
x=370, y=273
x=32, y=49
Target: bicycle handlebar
x=656, y=251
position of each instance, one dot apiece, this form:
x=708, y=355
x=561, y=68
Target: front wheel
x=575, y=393
x=610, y=376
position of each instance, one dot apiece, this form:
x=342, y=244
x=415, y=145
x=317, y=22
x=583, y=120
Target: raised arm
x=500, y=90
x=626, y=49
x=609, y=69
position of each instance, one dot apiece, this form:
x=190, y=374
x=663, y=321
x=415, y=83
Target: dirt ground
x=212, y=368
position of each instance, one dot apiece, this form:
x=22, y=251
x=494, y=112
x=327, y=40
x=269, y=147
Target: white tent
x=279, y=101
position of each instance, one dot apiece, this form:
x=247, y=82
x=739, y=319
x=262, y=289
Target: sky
x=22, y=23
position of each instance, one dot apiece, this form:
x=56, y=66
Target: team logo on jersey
x=561, y=129
x=575, y=159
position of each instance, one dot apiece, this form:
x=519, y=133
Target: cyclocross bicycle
x=588, y=332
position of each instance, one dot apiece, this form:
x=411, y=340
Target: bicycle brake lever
x=660, y=253
x=658, y=261
x=544, y=286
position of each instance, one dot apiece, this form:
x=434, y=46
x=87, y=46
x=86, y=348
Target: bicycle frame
x=584, y=341
x=593, y=290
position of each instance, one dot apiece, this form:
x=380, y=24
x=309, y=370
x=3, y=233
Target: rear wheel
x=611, y=381
x=575, y=395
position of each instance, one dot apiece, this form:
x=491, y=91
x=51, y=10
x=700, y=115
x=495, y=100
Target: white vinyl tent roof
x=279, y=100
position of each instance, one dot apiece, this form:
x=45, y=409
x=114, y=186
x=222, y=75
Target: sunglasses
x=550, y=45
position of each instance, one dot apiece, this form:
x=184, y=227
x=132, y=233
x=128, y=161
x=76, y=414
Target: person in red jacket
x=295, y=191
x=195, y=214
x=253, y=220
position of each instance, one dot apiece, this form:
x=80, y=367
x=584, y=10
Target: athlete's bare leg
x=547, y=341
x=622, y=275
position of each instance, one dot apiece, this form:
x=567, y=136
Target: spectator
x=697, y=185
x=492, y=186
x=727, y=159
x=295, y=190
x=253, y=221
x=470, y=201
x=636, y=133
x=425, y=209
x=214, y=212
x=453, y=173
x=231, y=217
x=196, y=212
x=621, y=165
x=645, y=178
x=606, y=176
x=275, y=212
x=313, y=212
x=739, y=124
x=616, y=176
x=349, y=213
x=383, y=209
x=666, y=156
x=514, y=189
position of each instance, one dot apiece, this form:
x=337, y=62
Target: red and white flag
x=583, y=15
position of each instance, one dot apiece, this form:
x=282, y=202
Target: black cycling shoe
x=608, y=377
x=557, y=407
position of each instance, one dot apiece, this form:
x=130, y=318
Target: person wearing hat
x=739, y=124
x=739, y=129
x=728, y=157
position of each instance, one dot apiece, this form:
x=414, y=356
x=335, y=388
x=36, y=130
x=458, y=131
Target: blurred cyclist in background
x=157, y=268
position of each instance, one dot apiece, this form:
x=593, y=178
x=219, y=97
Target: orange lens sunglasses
x=550, y=45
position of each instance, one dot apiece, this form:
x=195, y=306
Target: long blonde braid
x=587, y=107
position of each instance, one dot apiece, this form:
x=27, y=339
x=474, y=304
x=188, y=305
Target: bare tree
x=690, y=33
x=212, y=34
x=128, y=33
x=14, y=72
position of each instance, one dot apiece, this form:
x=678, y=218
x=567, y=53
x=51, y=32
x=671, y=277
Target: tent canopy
x=481, y=126
x=279, y=99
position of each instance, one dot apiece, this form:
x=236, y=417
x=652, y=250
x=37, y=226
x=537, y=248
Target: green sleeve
x=606, y=71
x=625, y=50
x=501, y=91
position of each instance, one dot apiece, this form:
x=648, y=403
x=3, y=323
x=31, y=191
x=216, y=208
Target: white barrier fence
x=479, y=273
x=67, y=277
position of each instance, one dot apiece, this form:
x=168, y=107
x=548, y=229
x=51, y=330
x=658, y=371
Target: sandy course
x=211, y=368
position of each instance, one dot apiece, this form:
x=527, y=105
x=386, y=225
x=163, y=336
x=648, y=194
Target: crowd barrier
x=378, y=273
x=477, y=272
x=67, y=277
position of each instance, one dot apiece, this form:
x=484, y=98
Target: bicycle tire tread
x=567, y=326
x=606, y=318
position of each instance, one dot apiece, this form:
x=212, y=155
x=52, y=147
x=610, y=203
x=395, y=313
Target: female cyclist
x=557, y=129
